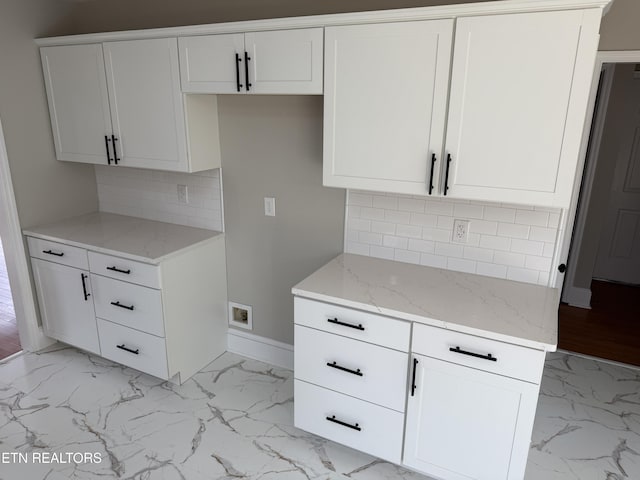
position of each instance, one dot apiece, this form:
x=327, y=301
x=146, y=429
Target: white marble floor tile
x=234, y=420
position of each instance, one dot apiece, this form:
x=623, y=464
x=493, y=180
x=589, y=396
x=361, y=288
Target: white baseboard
x=260, y=348
x=577, y=297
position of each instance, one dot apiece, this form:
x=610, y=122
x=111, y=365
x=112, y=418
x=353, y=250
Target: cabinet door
x=464, y=423
x=67, y=313
x=385, y=104
x=285, y=61
x=78, y=102
x=516, y=81
x=208, y=63
x=146, y=103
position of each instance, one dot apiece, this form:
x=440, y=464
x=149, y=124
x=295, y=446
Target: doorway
x=601, y=298
x=9, y=339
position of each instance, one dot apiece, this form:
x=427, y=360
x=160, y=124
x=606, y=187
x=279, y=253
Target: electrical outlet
x=460, y=231
x=270, y=206
x=183, y=194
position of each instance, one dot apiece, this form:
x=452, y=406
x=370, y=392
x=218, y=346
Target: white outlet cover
x=270, y=206
x=460, y=231
x=183, y=194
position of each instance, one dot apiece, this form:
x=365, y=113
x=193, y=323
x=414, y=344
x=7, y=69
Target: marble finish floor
x=233, y=420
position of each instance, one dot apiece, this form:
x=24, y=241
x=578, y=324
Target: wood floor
x=610, y=330
x=9, y=341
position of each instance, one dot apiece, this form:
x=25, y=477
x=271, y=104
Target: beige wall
x=620, y=112
x=619, y=30
x=45, y=189
x=272, y=146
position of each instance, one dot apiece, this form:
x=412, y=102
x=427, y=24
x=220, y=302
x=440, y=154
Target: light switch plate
x=270, y=206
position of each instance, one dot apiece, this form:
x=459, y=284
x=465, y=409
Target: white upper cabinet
x=78, y=102
x=146, y=103
x=517, y=99
x=385, y=105
x=119, y=103
x=509, y=132
x=272, y=62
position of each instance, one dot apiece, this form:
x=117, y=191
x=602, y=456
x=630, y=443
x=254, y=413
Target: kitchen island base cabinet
x=464, y=423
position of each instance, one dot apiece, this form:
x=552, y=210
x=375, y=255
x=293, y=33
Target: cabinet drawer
x=145, y=352
x=123, y=269
x=510, y=360
x=129, y=305
x=377, y=374
x=347, y=322
x=58, y=253
x=380, y=431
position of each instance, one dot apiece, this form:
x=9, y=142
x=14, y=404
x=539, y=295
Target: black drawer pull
x=115, y=269
x=118, y=304
x=433, y=164
x=333, y=419
x=84, y=287
x=238, y=84
x=345, y=369
x=49, y=252
x=471, y=354
x=350, y=325
x=115, y=152
x=413, y=378
x=122, y=347
x=446, y=175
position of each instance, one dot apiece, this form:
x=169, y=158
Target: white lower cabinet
x=470, y=400
x=168, y=320
x=64, y=294
x=464, y=423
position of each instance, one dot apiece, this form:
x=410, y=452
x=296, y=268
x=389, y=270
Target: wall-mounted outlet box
x=183, y=194
x=460, y=231
x=240, y=316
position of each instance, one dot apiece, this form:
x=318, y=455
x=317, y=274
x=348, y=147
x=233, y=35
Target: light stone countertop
x=128, y=237
x=514, y=312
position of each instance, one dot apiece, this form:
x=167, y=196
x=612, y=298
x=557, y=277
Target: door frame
x=31, y=335
x=572, y=228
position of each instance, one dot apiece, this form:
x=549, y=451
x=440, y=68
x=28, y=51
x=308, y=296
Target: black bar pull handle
x=84, y=287
x=238, y=84
x=118, y=304
x=106, y=144
x=344, y=369
x=471, y=354
x=446, y=175
x=115, y=269
x=350, y=325
x=413, y=377
x=115, y=150
x=246, y=70
x=433, y=164
x=122, y=347
x=333, y=419
x=50, y=252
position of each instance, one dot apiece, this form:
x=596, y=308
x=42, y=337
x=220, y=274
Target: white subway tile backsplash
x=153, y=195
x=527, y=246
x=406, y=256
x=424, y=220
x=372, y=213
x=383, y=227
x=409, y=231
x=382, y=252
x=411, y=205
x=397, y=217
x=528, y=217
x=543, y=234
x=425, y=246
x=461, y=265
x=468, y=211
x=513, y=230
x=504, y=241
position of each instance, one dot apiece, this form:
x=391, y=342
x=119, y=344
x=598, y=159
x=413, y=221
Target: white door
x=385, y=96
x=618, y=257
x=511, y=86
x=464, y=423
x=285, y=61
x=212, y=63
x=78, y=102
x=66, y=306
x=146, y=103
